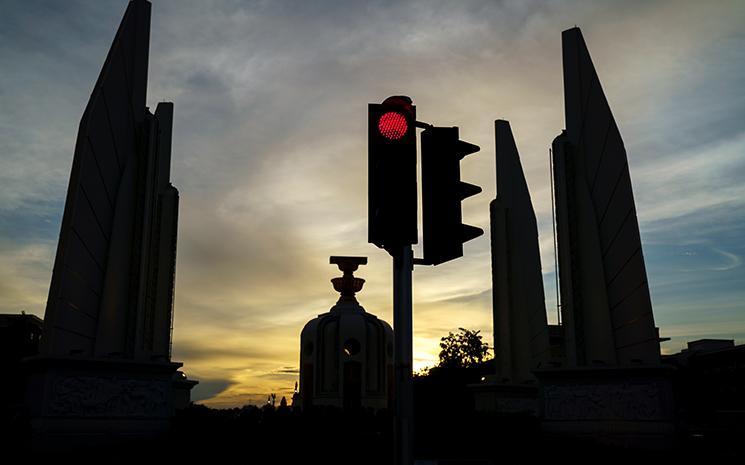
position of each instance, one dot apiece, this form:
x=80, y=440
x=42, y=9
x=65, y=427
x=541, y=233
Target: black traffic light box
x=442, y=194
x=392, y=189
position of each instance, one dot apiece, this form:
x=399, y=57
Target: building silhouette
x=521, y=331
x=20, y=337
x=709, y=384
x=598, y=374
x=520, y=326
x=610, y=384
x=104, y=372
x=346, y=354
x=605, y=303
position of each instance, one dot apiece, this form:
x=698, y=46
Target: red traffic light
x=392, y=173
x=392, y=125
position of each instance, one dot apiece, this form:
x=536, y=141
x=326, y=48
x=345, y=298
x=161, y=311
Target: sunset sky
x=270, y=155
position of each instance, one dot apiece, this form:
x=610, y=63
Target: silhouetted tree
x=422, y=372
x=462, y=349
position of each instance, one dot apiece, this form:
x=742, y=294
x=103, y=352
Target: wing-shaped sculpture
x=112, y=284
x=520, y=326
x=606, y=305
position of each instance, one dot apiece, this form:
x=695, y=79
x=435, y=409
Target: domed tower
x=346, y=355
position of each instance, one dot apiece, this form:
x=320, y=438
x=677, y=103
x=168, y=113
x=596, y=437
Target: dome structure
x=346, y=354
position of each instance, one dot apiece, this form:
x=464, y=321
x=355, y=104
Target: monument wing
x=106, y=144
x=592, y=130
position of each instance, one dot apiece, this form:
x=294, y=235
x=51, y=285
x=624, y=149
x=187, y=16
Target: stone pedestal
x=75, y=402
x=491, y=396
x=624, y=407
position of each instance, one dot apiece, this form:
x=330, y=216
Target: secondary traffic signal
x=392, y=191
x=442, y=194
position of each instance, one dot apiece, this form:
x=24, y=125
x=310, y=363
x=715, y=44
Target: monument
x=606, y=307
x=105, y=369
x=611, y=385
x=346, y=354
x=521, y=342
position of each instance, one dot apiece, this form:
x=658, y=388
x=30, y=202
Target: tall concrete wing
x=112, y=283
x=520, y=326
x=606, y=307
x=105, y=374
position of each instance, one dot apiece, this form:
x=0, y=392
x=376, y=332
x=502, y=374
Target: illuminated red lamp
x=392, y=125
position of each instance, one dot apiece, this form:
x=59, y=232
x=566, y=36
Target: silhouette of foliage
x=462, y=349
x=422, y=372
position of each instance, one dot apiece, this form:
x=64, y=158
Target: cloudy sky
x=269, y=154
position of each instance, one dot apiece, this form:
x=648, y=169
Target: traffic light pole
x=403, y=265
x=392, y=219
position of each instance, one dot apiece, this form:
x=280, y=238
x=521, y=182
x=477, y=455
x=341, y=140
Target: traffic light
x=442, y=193
x=392, y=190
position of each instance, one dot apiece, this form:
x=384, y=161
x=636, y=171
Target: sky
x=269, y=155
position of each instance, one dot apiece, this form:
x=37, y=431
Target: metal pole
x=553, y=224
x=403, y=355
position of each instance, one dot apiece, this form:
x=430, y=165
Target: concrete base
x=182, y=387
x=491, y=396
x=73, y=403
x=366, y=402
x=624, y=407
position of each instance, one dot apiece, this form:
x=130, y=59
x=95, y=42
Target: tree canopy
x=462, y=349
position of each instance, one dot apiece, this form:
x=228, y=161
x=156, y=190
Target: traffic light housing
x=392, y=189
x=442, y=194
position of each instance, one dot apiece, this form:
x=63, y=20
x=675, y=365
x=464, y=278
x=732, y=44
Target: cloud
x=733, y=261
x=269, y=151
x=25, y=270
x=208, y=389
x=691, y=181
